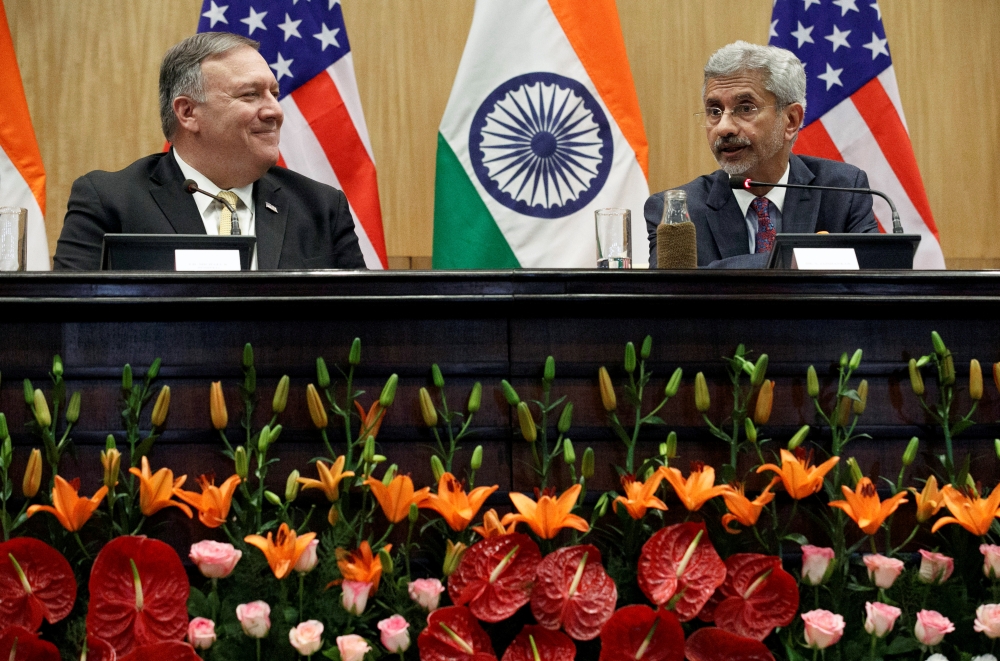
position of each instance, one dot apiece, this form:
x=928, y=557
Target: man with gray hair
x=754, y=100
x=219, y=109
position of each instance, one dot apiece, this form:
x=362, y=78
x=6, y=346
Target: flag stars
x=878, y=9
x=254, y=21
x=328, y=37
x=810, y=3
x=838, y=38
x=216, y=14
x=773, y=32
x=332, y=3
x=877, y=46
x=831, y=77
x=846, y=6
x=803, y=34
x=290, y=27
x=281, y=67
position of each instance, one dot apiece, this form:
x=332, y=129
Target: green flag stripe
x=465, y=234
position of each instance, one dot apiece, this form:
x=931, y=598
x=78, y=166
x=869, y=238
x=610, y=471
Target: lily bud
x=511, y=395
x=601, y=507
x=109, y=442
x=73, y=407
x=587, y=464
x=354, y=357
x=765, y=401
x=247, y=356
x=388, y=395
x=427, y=410
x=910, y=454
x=111, y=460
x=844, y=411
x=368, y=453
x=322, y=374
x=939, y=348
x=812, y=382
x=280, y=400
x=57, y=366
x=663, y=449
x=569, y=454
x=452, y=557
x=475, y=397
x=413, y=514
x=975, y=380
x=390, y=473
x=477, y=458
x=798, y=438
x=263, y=439
x=32, y=474
x=923, y=360
x=333, y=515
x=127, y=377
x=528, y=429
x=674, y=384
x=565, y=418
x=316, y=409
x=42, y=415
x=379, y=459
x=4, y=432
x=996, y=447
x=386, y=560
x=859, y=406
x=161, y=407
x=855, y=360
x=437, y=468
x=948, y=370
x=750, y=430
x=154, y=369
x=671, y=452
x=436, y=377
x=6, y=453
x=759, y=370
x=916, y=379
x=629, y=357
x=217, y=404
x=241, y=462
x=549, y=373
x=608, y=398
x=702, y=402
x=272, y=437
x=996, y=375
x=272, y=497
x=292, y=486
x=843, y=359
x=250, y=380
x=29, y=392
x=856, y=474
x=647, y=347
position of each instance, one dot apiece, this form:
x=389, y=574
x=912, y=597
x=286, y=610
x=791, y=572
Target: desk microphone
x=191, y=186
x=742, y=183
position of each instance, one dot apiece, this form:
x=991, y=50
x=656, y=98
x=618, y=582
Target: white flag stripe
x=888, y=80
x=854, y=140
x=15, y=192
x=342, y=73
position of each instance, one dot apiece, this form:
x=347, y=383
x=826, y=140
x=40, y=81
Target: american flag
x=853, y=111
x=324, y=135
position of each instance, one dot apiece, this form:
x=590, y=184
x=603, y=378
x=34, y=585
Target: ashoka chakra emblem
x=541, y=145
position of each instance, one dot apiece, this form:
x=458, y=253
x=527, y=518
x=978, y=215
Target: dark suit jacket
x=721, y=228
x=312, y=228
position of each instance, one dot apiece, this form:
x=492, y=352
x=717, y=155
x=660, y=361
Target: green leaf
x=143, y=448
x=797, y=538
x=961, y=426
x=198, y=605
x=853, y=395
x=332, y=653
x=728, y=474
x=902, y=645
x=655, y=420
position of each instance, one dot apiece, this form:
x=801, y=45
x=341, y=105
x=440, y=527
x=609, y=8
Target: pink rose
x=988, y=620
x=823, y=628
x=255, y=618
x=201, y=633
x=307, y=638
x=352, y=647
x=215, y=559
x=931, y=627
x=991, y=560
x=881, y=618
x=935, y=568
x=883, y=571
x=307, y=561
x=815, y=562
x=355, y=596
x=395, y=634
x=426, y=592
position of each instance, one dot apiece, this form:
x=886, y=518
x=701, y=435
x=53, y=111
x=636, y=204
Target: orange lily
x=371, y=421
x=800, y=478
x=329, y=478
x=865, y=508
x=396, y=498
x=213, y=502
x=698, y=488
x=492, y=527
x=284, y=550
x=549, y=515
x=639, y=495
x=452, y=503
x=156, y=489
x=744, y=510
x=361, y=565
x=929, y=501
x=71, y=510
x=971, y=511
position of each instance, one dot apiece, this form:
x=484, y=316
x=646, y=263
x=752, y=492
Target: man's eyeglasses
x=744, y=112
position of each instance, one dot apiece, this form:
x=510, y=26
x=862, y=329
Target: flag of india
x=542, y=128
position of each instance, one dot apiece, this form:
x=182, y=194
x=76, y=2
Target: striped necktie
x=765, y=228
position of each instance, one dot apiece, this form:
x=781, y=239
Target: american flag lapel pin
x=271, y=207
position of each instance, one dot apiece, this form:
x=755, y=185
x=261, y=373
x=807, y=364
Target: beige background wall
x=90, y=70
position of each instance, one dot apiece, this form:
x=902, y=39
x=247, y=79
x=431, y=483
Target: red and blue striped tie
x=765, y=228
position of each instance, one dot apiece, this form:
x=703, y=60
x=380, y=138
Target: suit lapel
x=801, y=207
x=166, y=187
x=728, y=224
x=269, y=225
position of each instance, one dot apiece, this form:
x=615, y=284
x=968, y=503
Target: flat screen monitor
x=874, y=251
x=159, y=252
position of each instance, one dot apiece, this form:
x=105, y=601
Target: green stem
x=302, y=581
x=79, y=543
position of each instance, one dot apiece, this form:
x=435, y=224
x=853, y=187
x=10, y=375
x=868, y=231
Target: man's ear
x=184, y=107
x=794, y=113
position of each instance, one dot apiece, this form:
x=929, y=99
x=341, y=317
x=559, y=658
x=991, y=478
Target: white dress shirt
x=776, y=196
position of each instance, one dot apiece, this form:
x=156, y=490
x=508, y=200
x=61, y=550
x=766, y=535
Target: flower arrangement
x=788, y=550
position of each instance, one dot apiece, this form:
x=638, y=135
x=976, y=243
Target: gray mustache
x=731, y=141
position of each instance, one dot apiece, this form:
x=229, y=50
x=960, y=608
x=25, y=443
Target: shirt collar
x=776, y=195
x=245, y=193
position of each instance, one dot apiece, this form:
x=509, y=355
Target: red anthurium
x=36, y=583
x=138, y=594
x=19, y=644
x=453, y=634
x=712, y=644
x=100, y=650
x=495, y=576
x=679, y=569
x=758, y=596
x=166, y=651
x=638, y=633
x=573, y=591
x=536, y=642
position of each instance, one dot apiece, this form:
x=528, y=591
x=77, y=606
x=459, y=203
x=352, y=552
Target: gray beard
x=766, y=150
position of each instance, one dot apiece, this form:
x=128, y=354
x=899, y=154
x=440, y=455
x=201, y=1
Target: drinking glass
x=13, y=246
x=614, y=238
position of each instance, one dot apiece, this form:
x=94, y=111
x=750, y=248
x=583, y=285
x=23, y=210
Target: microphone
x=742, y=183
x=191, y=186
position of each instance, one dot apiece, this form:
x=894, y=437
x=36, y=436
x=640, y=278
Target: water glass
x=13, y=245
x=614, y=238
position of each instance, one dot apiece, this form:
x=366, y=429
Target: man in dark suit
x=754, y=100
x=219, y=109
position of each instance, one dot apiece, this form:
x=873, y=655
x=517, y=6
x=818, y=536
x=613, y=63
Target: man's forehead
x=747, y=84
x=242, y=65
